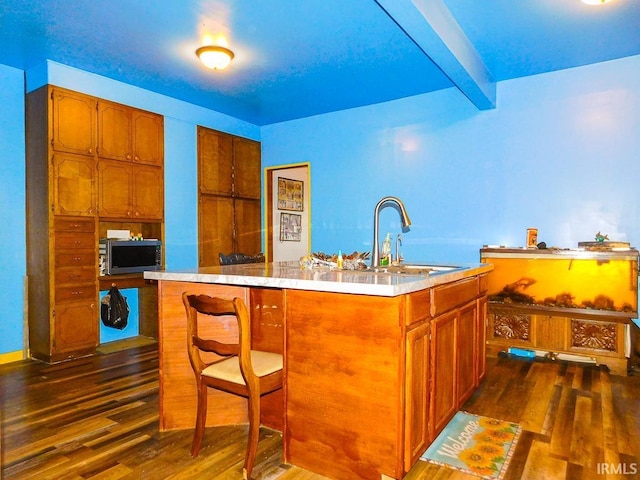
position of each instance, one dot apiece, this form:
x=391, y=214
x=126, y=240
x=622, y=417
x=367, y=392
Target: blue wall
x=560, y=152
x=12, y=205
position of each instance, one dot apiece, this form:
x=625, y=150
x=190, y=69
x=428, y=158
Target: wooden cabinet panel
x=215, y=215
x=228, y=167
x=74, y=186
x=247, y=221
x=73, y=122
x=115, y=183
x=86, y=275
x=416, y=394
x=114, y=125
x=246, y=167
x=443, y=371
x=74, y=224
x=449, y=296
x=215, y=162
x=550, y=332
x=148, y=192
x=467, y=347
x=130, y=135
x=75, y=240
x=481, y=340
x=148, y=138
x=130, y=191
x=76, y=328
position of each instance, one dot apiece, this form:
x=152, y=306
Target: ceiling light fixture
x=595, y=2
x=214, y=56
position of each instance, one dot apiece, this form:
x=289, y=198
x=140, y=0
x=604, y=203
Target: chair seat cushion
x=263, y=364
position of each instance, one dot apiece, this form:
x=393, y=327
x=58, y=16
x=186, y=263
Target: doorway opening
x=287, y=215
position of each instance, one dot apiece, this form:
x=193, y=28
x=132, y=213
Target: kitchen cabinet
x=74, y=185
x=130, y=191
x=229, y=195
x=366, y=376
x=130, y=135
x=73, y=122
x=66, y=184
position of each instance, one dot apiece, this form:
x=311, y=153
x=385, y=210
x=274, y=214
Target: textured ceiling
x=300, y=58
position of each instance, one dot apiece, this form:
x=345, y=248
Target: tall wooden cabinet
x=228, y=195
x=69, y=200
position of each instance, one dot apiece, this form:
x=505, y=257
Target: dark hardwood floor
x=97, y=418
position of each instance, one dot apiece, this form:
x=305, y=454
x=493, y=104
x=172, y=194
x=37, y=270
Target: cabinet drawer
x=449, y=296
x=75, y=275
x=75, y=240
x=74, y=224
x=77, y=258
x=418, y=306
x=78, y=292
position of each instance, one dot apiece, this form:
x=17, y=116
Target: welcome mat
x=473, y=444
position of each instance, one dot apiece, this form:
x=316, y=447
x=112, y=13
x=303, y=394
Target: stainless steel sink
x=413, y=269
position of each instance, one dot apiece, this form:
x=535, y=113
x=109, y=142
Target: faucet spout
x=404, y=217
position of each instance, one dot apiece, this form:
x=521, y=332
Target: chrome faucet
x=375, y=260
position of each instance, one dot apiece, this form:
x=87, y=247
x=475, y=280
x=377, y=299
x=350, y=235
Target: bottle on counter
x=385, y=258
x=340, y=260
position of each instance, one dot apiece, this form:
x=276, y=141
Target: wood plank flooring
x=97, y=418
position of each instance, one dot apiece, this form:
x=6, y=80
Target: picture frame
x=290, y=227
x=290, y=194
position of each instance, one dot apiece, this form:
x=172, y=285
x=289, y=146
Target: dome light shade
x=215, y=57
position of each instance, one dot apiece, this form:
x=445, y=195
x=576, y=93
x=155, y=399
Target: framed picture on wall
x=290, y=227
x=290, y=194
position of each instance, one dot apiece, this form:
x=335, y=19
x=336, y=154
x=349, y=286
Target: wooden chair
x=238, y=258
x=239, y=370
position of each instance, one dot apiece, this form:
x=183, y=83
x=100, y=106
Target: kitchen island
x=375, y=363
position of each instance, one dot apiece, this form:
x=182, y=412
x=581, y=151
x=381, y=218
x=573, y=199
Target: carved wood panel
x=597, y=335
x=512, y=326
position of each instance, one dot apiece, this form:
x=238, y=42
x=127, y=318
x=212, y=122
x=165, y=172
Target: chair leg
x=254, y=432
x=201, y=420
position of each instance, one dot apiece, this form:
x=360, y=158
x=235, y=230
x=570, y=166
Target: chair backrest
x=200, y=307
x=239, y=258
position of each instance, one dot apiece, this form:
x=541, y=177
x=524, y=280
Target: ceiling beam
x=434, y=30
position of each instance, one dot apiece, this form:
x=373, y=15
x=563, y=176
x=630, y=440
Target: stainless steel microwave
x=129, y=256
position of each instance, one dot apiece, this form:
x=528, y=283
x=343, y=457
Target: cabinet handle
x=128, y=156
x=136, y=158
x=90, y=151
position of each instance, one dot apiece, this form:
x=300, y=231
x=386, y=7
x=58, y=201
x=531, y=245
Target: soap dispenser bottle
x=385, y=258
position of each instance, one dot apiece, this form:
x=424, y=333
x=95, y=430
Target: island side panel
x=178, y=397
x=344, y=384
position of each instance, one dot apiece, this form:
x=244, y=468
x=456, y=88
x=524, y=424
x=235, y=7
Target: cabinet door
x=74, y=186
x=114, y=127
x=467, y=346
x=443, y=371
x=148, y=192
x=147, y=137
x=76, y=326
x=73, y=122
x=248, y=235
x=114, y=185
x=246, y=168
x=215, y=162
x=215, y=231
x=416, y=426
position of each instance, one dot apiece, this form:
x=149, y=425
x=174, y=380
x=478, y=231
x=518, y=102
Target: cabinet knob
x=128, y=156
x=90, y=151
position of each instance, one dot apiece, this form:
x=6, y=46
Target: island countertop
x=289, y=275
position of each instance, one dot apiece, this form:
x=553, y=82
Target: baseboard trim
x=11, y=357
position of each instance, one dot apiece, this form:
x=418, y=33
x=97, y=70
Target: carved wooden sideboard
x=571, y=304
